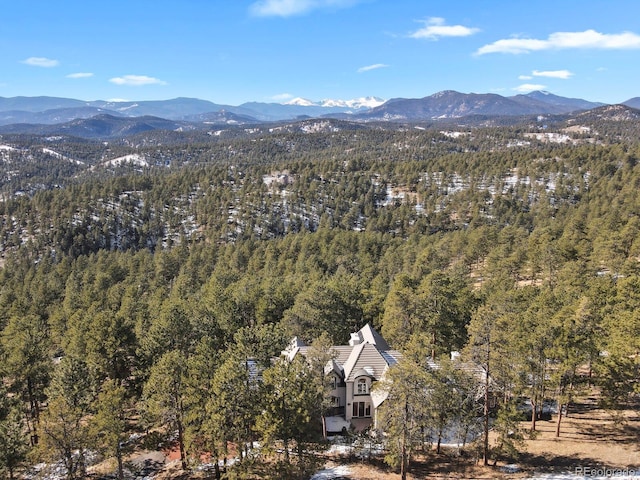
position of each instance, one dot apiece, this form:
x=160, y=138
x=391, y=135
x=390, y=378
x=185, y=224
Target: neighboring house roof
x=473, y=369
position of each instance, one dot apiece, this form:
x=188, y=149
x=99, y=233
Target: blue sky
x=234, y=51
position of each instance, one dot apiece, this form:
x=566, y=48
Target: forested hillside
x=143, y=280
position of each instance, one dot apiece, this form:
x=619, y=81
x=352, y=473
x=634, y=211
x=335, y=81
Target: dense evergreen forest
x=141, y=295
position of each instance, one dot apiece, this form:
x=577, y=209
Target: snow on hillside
x=57, y=155
x=550, y=137
x=5, y=150
x=316, y=127
x=133, y=158
x=129, y=107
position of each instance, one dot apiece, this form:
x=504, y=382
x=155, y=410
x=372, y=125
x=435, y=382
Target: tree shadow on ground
x=549, y=462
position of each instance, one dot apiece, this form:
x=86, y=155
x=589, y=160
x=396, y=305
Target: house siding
x=366, y=357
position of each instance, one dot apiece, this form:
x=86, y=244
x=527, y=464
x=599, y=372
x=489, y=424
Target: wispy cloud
x=80, y=75
x=289, y=8
x=281, y=97
x=435, y=27
x=41, y=62
x=375, y=66
x=136, y=80
x=562, y=74
x=529, y=87
x=565, y=40
x=525, y=77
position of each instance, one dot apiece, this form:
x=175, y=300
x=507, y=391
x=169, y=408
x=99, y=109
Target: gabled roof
x=351, y=361
x=368, y=354
x=333, y=366
x=342, y=353
x=367, y=360
x=368, y=334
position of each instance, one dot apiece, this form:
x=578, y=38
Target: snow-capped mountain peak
x=356, y=103
x=301, y=102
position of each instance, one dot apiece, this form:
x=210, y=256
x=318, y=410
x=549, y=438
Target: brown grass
x=589, y=437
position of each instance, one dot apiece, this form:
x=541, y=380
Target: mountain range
x=95, y=119
x=53, y=110
x=452, y=104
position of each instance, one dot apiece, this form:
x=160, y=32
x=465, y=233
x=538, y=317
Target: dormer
x=368, y=334
x=356, y=339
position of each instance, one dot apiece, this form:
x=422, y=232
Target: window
x=334, y=382
x=362, y=387
x=335, y=402
x=361, y=409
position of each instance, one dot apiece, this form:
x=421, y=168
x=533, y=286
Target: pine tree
x=290, y=396
x=65, y=433
x=403, y=416
x=163, y=396
x=109, y=424
x=13, y=444
x=27, y=362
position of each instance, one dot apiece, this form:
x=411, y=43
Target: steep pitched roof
x=333, y=366
x=368, y=359
x=368, y=354
x=342, y=353
x=353, y=358
x=370, y=335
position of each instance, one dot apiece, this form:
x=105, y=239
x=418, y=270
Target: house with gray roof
x=351, y=373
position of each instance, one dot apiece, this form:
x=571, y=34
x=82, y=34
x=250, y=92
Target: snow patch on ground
x=595, y=476
x=332, y=473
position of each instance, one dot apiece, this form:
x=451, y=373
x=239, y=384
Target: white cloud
x=525, y=77
x=528, y=87
x=563, y=74
x=565, y=40
x=435, y=28
x=41, y=62
x=281, y=97
x=80, y=75
x=288, y=8
x=375, y=66
x=136, y=80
